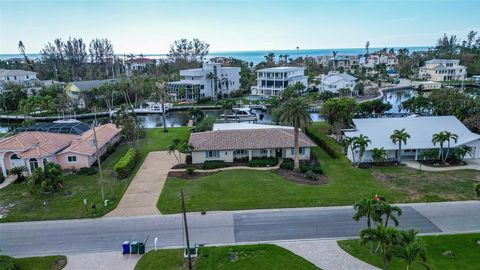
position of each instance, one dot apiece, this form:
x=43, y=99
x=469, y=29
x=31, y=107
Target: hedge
x=126, y=164
x=322, y=143
x=87, y=171
x=213, y=164
x=305, y=166
x=263, y=162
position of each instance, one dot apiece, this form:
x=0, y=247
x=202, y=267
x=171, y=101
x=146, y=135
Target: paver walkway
x=102, y=261
x=8, y=180
x=326, y=254
x=142, y=194
x=473, y=164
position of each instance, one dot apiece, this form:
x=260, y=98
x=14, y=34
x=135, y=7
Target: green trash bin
x=141, y=248
x=134, y=247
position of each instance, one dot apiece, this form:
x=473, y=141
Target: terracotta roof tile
x=84, y=145
x=37, y=144
x=247, y=139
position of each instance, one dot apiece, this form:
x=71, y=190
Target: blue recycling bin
x=126, y=247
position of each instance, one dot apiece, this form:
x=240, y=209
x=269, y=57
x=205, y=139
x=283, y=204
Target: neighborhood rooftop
x=236, y=126
x=15, y=72
x=76, y=128
x=421, y=129
x=247, y=139
x=86, y=85
x=280, y=69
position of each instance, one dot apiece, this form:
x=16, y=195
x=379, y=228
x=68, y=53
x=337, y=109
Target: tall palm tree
x=361, y=142
x=211, y=76
x=334, y=59
x=295, y=112
x=411, y=248
x=367, y=208
x=441, y=138
x=391, y=212
x=162, y=94
x=386, y=237
x=399, y=136
x=226, y=82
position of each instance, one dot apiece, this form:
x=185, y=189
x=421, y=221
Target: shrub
x=312, y=176
x=7, y=263
x=263, y=162
x=19, y=170
x=307, y=166
x=47, y=179
x=190, y=170
x=213, y=164
x=87, y=171
x=126, y=164
x=287, y=164
x=2, y=178
x=322, y=143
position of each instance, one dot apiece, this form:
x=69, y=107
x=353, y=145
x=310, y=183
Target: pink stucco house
x=33, y=149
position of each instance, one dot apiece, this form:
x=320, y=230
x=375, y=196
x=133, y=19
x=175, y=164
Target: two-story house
x=272, y=81
x=438, y=70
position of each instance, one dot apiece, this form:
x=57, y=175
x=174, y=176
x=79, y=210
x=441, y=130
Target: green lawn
x=263, y=257
x=249, y=189
x=41, y=263
x=29, y=207
x=464, y=247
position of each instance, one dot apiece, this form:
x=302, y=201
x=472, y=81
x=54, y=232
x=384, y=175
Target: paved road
x=106, y=234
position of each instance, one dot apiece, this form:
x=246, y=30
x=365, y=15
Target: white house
x=235, y=142
x=344, y=61
x=335, y=81
x=209, y=81
x=18, y=76
x=442, y=70
x=389, y=59
x=420, y=129
x=272, y=81
x=137, y=64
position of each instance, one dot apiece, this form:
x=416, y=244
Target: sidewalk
x=8, y=180
x=326, y=254
x=472, y=165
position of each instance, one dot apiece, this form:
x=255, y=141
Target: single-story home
x=229, y=144
x=34, y=149
x=420, y=129
x=335, y=81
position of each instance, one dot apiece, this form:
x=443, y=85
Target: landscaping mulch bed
x=199, y=166
x=300, y=178
x=367, y=165
x=439, y=164
x=186, y=176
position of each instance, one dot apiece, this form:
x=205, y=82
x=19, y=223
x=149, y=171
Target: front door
x=278, y=152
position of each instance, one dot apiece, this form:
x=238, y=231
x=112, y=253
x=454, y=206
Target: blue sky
x=145, y=26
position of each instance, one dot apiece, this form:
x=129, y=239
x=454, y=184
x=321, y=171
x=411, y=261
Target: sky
x=147, y=26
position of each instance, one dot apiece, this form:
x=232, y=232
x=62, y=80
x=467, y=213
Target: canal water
x=173, y=119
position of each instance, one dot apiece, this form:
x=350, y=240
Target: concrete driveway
x=142, y=194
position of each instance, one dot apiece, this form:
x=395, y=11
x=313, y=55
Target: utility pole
x=98, y=157
x=186, y=230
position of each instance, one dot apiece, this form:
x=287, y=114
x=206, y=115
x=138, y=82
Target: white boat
x=241, y=114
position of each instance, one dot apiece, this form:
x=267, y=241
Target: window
x=72, y=159
x=33, y=164
x=240, y=152
x=212, y=154
x=263, y=151
x=44, y=162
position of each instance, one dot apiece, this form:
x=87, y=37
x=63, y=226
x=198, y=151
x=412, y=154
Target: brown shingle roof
x=247, y=139
x=84, y=145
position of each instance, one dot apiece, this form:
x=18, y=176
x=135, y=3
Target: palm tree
x=334, y=60
x=361, y=143
x=226, y=105
x=391, y=212
x=211, y=76
x=441, y=138
x=226, y=82
x=295, y=112
x=378, y=154
x=399, y=136
x=19, y=170
x=367, y=208
x=386, y=237
x=172, y=148
x=411, y=249
x=162, y=93
x=462, y=151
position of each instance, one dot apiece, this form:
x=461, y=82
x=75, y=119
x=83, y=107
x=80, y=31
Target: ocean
x=257, y=56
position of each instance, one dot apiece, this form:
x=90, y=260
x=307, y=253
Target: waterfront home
x=137, y=64
x=420, y=129
x=219, y=60
x=18, y=76
x=272, y=81
x=438, y=70
x=232, y=143
x=335, y=81
x=389, y=59
x=210, y=80
x=344, y=61
x=34, y=149
x=73, y=89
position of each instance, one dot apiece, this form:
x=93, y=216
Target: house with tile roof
x=34, y=149
x=229, y=144
x=137, y=64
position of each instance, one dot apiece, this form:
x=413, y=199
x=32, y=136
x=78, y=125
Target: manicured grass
x=41, y=263
x=263, y=257
x=463, y=246
x=248, y=189
x=27, y=207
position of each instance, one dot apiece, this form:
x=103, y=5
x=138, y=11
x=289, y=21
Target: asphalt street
x=107, y=234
